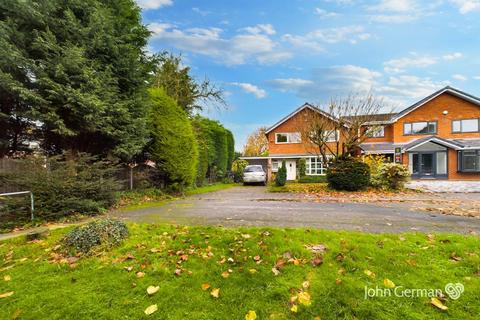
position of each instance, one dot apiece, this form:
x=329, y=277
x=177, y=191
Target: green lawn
x=101, y=288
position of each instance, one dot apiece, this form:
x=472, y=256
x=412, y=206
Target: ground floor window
x=315, y=166
x=469, y=161
x=425, y=164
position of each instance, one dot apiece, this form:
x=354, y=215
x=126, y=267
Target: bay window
x=315, y=167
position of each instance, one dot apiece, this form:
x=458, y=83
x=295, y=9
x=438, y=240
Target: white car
x=254, y=174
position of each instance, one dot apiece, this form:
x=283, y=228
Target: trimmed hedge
x=173, y=146
x=348, y=174
x=312, y=179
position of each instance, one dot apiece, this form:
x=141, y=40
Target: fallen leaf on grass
x=140, y=274
x=152, y=289
x=294, y=308
x=304, y=298
x=251, y=315
x=252, y=271
x=225, y=274
x=437, y=303
x=275, y=271
x=338, y=281
x=369, y=273
x=177, y=272
x=306, y=284
x=388, y=283
x=454, y=257
x=205, y=286
x=7, y=278
x=128, y=268
x=153, y=308
x=317, y=261
x=215, y=293
x=6, y=294
x=316, y=248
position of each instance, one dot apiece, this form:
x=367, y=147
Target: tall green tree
x=173, y=146
x=74, y=73
x=178, y=83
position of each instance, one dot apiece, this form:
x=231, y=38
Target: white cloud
x=466, y=6
x=453, y=56
x=316, y=39
x=459, y=77
x=154, y=4
x=325, y=83
x=239, y=49
x=394, y=6
x=476, y=77
x=260, y=28
x=393, y=18
x=200, y=11
x=415, y=61
x=250, y=88
x=325, y=14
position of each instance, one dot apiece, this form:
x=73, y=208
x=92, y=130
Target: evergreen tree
x=73, y=73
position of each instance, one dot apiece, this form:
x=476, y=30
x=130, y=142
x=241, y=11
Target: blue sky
x=271, y=56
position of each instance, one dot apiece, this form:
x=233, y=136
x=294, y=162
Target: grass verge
x=239, y=262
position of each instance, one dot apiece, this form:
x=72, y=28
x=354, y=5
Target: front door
x=291, y=169
x=426, y=165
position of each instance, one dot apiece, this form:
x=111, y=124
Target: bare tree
x=257, y=143
x=342, y=127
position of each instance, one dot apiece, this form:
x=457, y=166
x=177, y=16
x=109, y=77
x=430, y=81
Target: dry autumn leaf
x=304, y=298
x=7, y=278
x=251, y=315
x=140, y=274
x=6, y=294
x=152, y=289
x=252, y=271
x=338, y=281
x=151, y=309
x=294, y=308
x=275, y=271
x=225, y=274
x=306, y=284
x=369, y=273
x=215, y=293
x=437, y=303
x=205, y=286
x=388, y=283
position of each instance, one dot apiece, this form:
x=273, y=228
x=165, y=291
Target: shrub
x=395, y=175
x=281, y=177
x=238, y=166
x=375, y=162
x=312, y=179
x=173, y=146
x=348, y=174
x=62, y=187
x=103, y=234
x=302, y=167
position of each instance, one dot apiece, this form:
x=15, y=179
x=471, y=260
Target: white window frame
x=290, y=136
x=276, y=166
x=376, y=132
x=460, y=121
x=315, y=171
x=336, y=138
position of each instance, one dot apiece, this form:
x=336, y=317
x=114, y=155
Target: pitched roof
x=441, y=141
x=306, y=105
x=447, y=89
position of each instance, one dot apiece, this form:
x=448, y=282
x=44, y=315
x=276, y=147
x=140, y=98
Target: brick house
x=437, y=138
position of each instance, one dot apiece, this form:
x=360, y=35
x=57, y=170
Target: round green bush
x=348, y=174
x=94, y=236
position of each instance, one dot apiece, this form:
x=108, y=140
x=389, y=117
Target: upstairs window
x=376, y=132
x=423, y=127
x=292, y=137
x=332, y=136
x=466, y=125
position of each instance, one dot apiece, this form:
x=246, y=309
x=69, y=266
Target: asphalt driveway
x=253, y=206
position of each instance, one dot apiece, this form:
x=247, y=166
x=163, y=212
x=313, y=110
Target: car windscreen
x=254, y=169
